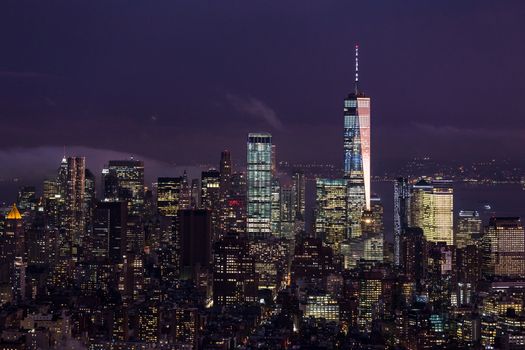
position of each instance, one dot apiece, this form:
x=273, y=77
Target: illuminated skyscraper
x=224, y=189
x=75, y=203
x=233, y=217
x=468, y=228
x=287, y=209
x=331, y=213
x=169, y=195
x=299, y=189
x=26, y=200
x=210, y=197
x=234, y=277
x=431, y=208
x=401, y=213
x=109, y=231
x=504, y=242
x=372, y=222
x=225, y=173
x=259, y=160
x=12, y=243
x=124, y=182
x=276, y=207
x=357, y=153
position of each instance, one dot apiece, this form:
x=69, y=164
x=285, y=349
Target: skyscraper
x=299, y=189
x=431, y=208
x=504, y=242
x=412, y=254
x=234, y=214
x=276, y=207
x=75, y=203
x=331, y=213
x=169, y=195
x=401, y=213
x=109, y=231
x=26, y=200
x=124, y=181
x=210, y=197
x=259, y=160
x=468, y=228
x=224, y=188
x=357, y=153
x=234, y=277
x=12, y=243
x=195, y=241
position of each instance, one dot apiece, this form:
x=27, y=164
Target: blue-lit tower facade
x=357, y=154
x=259, y=179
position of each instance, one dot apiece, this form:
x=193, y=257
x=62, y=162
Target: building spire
x=356, y=82
x=64, y=156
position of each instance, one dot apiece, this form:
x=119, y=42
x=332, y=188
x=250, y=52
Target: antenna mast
x=356, y=68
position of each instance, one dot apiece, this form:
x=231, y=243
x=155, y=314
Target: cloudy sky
x=176, y=82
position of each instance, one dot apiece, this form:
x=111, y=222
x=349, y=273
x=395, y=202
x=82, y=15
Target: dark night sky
x=178, y=81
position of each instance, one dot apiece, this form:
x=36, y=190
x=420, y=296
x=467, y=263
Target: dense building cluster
x=230, y=261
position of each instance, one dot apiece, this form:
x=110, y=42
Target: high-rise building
x=225, y=173
x=431, y=208
x=210, y=197
x=276, y=208
x=468, y=228
x=224, y=189
x=412, y=254
x=18, y=278
x=259, y=194
x=331, y=219
x=299, y=190
x=195, y=194
x=372, y=221
x=322, y=306
x=312, y=262
x=124, y=182
x=185, y=192
x=109, y=232
x=234, y=212
x=234, y=277
x=12, y=243
x=371, y=289
x=169, y=195
x=357, y=153
x=287, y=211
x=195, y=240
x=504, y=243
x=401, y=213
x=271, y=262
x=75, y=204
x=26, y=200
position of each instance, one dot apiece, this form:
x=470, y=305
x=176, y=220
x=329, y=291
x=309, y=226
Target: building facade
x=259, y=181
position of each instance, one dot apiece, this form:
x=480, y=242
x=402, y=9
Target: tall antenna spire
x=356, y=68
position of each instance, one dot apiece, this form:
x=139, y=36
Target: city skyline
x=175, y=187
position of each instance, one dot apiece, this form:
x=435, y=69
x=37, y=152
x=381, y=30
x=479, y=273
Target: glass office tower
x=401, y=213
x=357, y=154
x=431, y=208
x=331, y=214
x=259, y=163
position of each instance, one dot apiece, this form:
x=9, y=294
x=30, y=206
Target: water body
x=504, y=200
